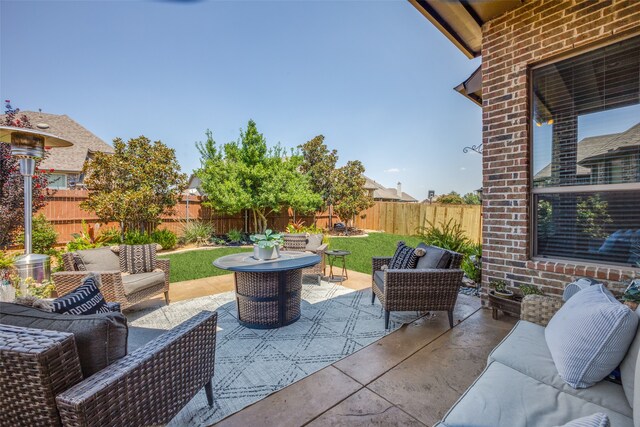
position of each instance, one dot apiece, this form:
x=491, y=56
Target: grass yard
x=197, y=264
x=364, y=248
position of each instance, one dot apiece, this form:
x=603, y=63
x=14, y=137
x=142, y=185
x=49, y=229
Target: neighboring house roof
x=67, y=159
x=594, y=147
x=461, y=21
x=382, y=193
x=194, y=186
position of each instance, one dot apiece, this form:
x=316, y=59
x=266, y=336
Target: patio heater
x=27, y=145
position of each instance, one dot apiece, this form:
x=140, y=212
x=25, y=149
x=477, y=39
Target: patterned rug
x=251, y=363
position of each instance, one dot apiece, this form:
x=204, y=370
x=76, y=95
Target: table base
x=268, y=300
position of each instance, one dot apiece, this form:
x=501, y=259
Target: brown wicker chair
x=298, y=243
x=417, y=289
x=111, y=283
x=41, y=381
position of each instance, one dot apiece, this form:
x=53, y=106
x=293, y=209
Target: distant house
x=66, y=163
x=195, y=186
x=383, y=194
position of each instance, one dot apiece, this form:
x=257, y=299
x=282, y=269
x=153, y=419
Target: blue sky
x=375, y=78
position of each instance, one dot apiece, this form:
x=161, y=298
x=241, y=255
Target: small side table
x=341, y=256
x=508, y=306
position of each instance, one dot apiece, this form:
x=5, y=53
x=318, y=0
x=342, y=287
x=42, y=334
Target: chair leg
x=208, y=389
x=166, y=297
x=450, y=313
x=373, y=297
x=386, y=319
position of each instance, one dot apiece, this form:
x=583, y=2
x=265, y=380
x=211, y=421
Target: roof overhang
x=461, y=21
x=472, y=87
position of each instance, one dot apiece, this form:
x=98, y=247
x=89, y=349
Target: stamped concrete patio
x=409, y=378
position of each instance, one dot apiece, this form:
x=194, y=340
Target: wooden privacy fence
x=63, y=210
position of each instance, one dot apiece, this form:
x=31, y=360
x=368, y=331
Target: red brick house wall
x=538, y=31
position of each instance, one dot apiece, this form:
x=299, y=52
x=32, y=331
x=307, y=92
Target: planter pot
x=503, y=294
x=265, y=253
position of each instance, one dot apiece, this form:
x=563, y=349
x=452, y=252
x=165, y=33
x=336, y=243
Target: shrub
x=235, y=236
x=86, y=239
x=165, y=238
x=43, y=235
x=447, y=236
x=135, y=237
x=197, y=231
x=472, y=262
x=109, y=236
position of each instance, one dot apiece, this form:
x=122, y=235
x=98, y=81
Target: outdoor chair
x=311, y=243
x=44, y=385
x=116, y=285
x=432, y=286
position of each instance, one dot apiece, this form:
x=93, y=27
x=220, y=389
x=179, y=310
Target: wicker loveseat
x=126, y=289
x=419, y=289
x=41, y=381
x=521, y=385
x=307, y=243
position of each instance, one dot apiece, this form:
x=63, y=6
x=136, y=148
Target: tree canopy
x=134, y=186
x=350, y=195
x=246, y=174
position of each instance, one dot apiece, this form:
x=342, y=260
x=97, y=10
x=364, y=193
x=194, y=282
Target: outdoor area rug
x=251, y=363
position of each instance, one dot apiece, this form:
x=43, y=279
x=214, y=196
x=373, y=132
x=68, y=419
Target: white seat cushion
x=526, y=351
x=628, y=367
x=504, y=397
x=133, y=283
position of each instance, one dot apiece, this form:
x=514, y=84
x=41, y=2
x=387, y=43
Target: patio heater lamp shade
x=27, y=145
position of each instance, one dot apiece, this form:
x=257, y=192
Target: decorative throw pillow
x=589, y=336
x=85, y=299
x=136, y=259
x=599, y=419
x=404, y=258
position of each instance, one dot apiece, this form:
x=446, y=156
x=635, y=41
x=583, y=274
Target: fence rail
x=63, y=210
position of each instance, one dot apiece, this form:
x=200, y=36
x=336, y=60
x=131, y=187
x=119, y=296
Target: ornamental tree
x=350, y=196
x=12, y=183
x=136, y=185
x=246, y=174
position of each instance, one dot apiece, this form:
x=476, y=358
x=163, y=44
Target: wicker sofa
x=126, y=289
x=521, y=387
x=307, y=243
x=41, y=381
x=419, y=289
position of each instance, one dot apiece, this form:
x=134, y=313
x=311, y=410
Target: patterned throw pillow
x=405, y=257
x=136, y=259
x=85, y=299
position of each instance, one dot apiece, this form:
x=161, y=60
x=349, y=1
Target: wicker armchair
x=298, y=243
x=111, y=283
x=41, y=382
x=417, y=289
x=539, y=308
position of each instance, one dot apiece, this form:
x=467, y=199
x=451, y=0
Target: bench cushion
x=136, y=282
x=525, y=350
x=502, y=396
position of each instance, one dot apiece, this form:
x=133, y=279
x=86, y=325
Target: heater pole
x=27, y=169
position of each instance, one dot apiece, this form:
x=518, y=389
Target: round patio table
x=268, y=292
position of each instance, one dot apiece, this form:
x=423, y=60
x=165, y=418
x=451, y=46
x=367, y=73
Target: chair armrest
x=322, y=249
x=378, y=261
x=539, y=308
x=412, y=277
x=165, y=266
x=149, y=386
x=110, y=283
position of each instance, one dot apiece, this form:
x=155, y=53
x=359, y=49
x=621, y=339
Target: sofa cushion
x=525, y=350
x=378, y=279
x=98, y=259
x=435, y=257
x=85, y=299
x=590, y=335
x=404, y=258
x=598, y=419
x=504, y=397
x=628, y=366
x=314, y=241
x=136, y=259
x=101, y=338
x=133, y=283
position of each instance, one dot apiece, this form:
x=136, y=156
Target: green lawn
x=197, y=264
x=364, y=248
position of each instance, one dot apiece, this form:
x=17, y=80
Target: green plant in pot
x=500, y=289
x=530, y=290
x=631, y=297
x=267, y=245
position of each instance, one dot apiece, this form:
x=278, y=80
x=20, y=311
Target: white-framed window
x=57, y=181
x=585, y=141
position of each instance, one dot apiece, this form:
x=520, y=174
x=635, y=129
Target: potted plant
x=631, y=297
x=7, y=289
x=530, y=290
x=266, y=246
x=500, y=289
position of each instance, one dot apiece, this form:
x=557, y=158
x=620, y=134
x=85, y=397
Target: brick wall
x=537, y=31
